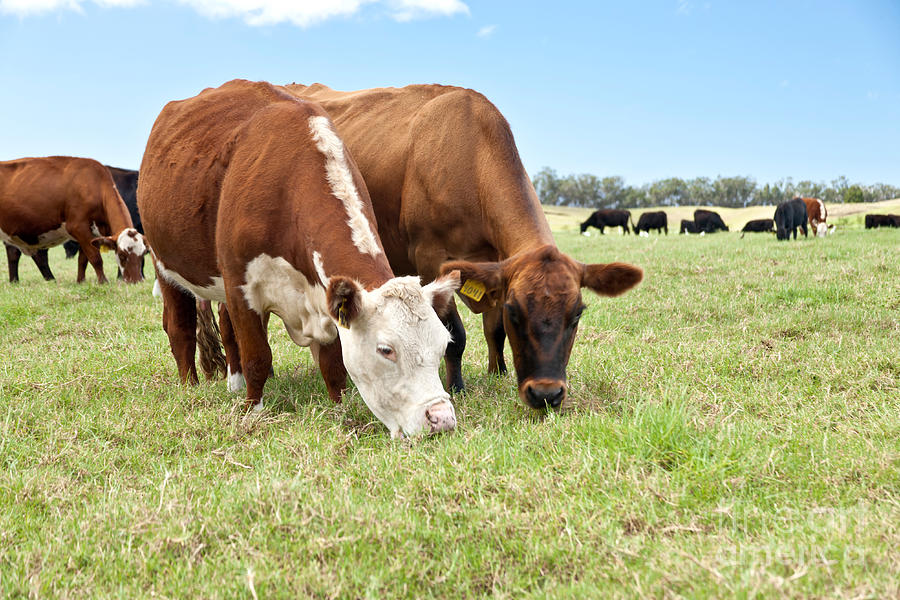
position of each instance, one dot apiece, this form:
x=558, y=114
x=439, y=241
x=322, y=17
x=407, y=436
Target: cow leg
x=12, y=259
x=331, y=365
x=455, y=349
x=43, y=264
x=82, y=266
x=180, y=324
x=492, y=320
x=235, y=377
x=805, y=232
x=250, y=333
x=83, y=236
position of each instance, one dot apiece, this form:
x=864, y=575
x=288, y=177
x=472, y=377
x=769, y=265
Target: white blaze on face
x=130, y=242
x=392, y=351
x=821, y=229
x=340, y=178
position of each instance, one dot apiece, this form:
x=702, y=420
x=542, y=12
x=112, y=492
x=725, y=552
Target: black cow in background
x=708, y=221
x=688, y=227
x=876, y=221
x=606, y=217
x=126, y=182
x=758, y=226
x=652, y=220
x=789, y=216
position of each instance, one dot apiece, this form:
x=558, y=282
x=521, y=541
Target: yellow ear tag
x=473, y=289
x=343, y=318
x=104, y=248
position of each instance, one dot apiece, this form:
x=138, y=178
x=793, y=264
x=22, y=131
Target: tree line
x=589, y=191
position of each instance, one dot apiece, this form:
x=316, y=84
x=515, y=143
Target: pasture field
x=733, y=431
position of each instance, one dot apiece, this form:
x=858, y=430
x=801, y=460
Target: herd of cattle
x=789, y=217
x=352, y=216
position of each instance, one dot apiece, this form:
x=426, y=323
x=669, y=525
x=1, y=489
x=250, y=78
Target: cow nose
x=541, y=395
x=441, y=417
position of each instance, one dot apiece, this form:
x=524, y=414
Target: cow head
x=392, y=343
x=821, y=229
x=539, y=293
x=129, y=247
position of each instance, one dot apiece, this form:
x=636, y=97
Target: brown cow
x=249, y=198
x=815, y=210
x=447, y=184
x=47, y=201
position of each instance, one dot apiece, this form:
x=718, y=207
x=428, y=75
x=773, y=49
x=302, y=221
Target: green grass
x=734, y=432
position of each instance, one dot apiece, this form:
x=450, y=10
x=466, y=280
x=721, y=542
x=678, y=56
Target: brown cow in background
x=47, y=201
x=815, y=210
x=447, y=184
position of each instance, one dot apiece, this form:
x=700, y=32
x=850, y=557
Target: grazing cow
x=126, y=183
x=652, y=220
x=817, y=215
x=447, y=184
x=47, y=201
x=249, y=198
x=688, y=227
x=789, y=216
x=607, y=217
x=876, y=221
x=758, y=226
x=708, y=221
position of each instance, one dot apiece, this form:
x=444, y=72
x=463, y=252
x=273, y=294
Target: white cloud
x=302, y=13
x=487, y=31
x=684, y=7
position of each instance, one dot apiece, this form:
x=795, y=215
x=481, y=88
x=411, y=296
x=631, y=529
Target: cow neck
x=516, y=222
x=116, y=212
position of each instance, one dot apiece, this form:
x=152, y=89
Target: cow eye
x=387, y=352
x=575, y=317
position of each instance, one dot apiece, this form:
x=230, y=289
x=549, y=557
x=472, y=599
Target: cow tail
x=212, y=360
x=632, y=222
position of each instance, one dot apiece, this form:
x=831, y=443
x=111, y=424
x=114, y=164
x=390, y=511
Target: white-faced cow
x=126, y=185
x=447, y=184
x=48, y=201
x=817, y=215
x=607, y=217
x=249, y=198
x=652, y=220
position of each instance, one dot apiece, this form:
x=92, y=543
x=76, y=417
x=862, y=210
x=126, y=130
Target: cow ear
x=440, y=292
x=100, y=243
x=611, y=279
x=482, y=283
x=344, y=297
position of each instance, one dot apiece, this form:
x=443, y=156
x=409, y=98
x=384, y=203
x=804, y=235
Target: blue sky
x=643, y=89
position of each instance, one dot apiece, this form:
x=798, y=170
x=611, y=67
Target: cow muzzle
x=440, y=416
x=542, y=393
